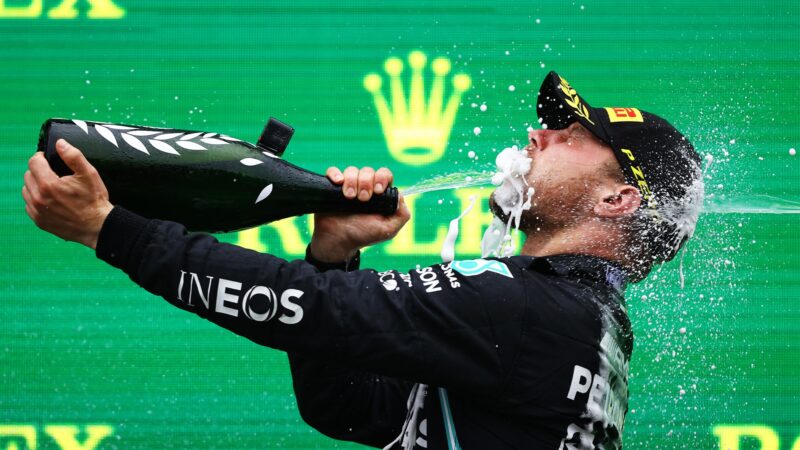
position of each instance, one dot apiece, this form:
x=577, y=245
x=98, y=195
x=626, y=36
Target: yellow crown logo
x=417, y=131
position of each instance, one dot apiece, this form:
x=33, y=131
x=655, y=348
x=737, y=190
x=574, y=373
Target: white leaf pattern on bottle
x=82, y=125
x=143, y=133
x=189, y=145
x=264, y=193
x=251, y=162
x=135, y=143
x=164, y=147
x=107, y=134
x=164, y=137
x=191, y=136
x=130, y=135
x=213, y=141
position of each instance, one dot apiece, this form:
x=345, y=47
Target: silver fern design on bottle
x=158, y=140
x=136, y=138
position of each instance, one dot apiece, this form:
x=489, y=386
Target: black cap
x=654, y=157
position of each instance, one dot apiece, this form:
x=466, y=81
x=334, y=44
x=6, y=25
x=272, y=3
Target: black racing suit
x=511, y=353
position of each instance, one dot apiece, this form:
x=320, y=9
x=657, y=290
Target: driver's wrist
x=95, y=225
x=331, y=252
x=350, y=265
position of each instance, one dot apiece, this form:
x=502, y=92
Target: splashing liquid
x=745, y=204
x=449, y=244
x=513, y=195
x=448, y=181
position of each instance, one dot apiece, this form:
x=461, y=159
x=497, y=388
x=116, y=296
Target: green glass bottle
x=206, y=181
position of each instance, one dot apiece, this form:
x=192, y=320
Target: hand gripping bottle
x=206, y=181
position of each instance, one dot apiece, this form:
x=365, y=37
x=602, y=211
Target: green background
x=81, y=344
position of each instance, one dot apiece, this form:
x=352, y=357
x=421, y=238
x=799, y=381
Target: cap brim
x=559, y=105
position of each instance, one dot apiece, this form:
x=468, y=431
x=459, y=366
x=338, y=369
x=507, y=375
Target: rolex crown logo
x=417, y=130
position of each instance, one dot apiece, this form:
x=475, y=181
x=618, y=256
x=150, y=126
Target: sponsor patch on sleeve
x=475, y=267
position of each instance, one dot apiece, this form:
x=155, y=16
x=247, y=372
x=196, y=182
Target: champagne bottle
x=206, y=181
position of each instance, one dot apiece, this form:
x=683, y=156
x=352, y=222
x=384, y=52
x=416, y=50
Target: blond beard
x=553, y=208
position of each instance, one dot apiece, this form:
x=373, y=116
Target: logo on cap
x=624, y=115
x=641, y=181
x=574, y=100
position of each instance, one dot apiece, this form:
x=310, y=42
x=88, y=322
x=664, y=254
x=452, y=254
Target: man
x=526, y=352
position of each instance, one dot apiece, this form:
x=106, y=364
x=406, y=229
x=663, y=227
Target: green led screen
x=90, y=360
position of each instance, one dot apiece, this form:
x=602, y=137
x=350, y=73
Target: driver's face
x=570, y=151
x=567, y=166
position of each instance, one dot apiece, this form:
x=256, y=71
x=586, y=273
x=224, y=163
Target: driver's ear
x=621, y=201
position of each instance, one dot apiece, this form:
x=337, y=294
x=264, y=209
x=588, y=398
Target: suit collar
x=580, y=267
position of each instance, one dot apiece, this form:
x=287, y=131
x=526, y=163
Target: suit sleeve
x=346, y=403
x=434, y=325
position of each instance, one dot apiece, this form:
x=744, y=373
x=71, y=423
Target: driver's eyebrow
x=577, y=126
x=577, y=130
x=581, y=131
